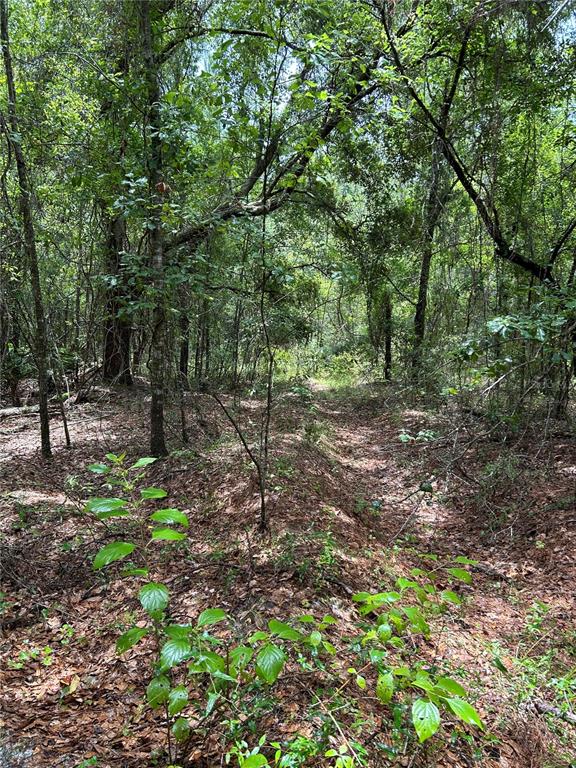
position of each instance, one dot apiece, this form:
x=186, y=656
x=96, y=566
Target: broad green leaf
x=284, y=631
x=154, y=597
x=269, y=663
x=130, y=638
x=254, y=761
x=143, y=462
x=158, y=691
x=105, y=505
x=170, y=517
x=426, y=718
x=450, y=686
x=450, y=596
x=384, y=632
x=464, y=711
x=416, y=619
x=177, y=700
x=211, y=702
x=461, y=574
x=385, y=686
x=174, y=651
x=315, y=638
x=211, y=616
x=167, y=534
x=153, y=493
x=465, y=560
x=99, y=469
x=240, y=656
x=211, y=662
x=116, y=550
x=181, y=729
x=131, y=571
x=178, y=631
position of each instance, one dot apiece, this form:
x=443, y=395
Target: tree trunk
x=184, y=350
x=156, y=239
x=434, y=205
x=25, y=204
x=117, y=329
x=388, y=329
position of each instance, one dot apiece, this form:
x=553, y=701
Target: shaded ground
x=346, y=515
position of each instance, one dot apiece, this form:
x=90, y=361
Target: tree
x=25, y=197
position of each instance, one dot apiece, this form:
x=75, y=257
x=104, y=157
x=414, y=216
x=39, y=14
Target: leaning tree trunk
x=25, y=204
x=157, y=359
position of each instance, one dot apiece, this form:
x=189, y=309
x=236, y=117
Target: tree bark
x=25, y=205
x=156, y=240
x=433, y=209
x=117, y=329
x=388, y=330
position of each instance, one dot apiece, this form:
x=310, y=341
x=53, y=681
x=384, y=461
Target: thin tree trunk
x=117, y=329
x=434, y=205
x=184, y=350
x=156, y=240
x=25, y=203
x=388, y=330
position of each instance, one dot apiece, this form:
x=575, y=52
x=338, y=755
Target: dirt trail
x=346, y=514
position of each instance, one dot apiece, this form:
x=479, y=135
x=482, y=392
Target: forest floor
x=346, y=515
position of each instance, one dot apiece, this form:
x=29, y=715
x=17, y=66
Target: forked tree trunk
x=25, y=204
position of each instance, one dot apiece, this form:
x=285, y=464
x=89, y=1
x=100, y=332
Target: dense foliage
x=217, y=194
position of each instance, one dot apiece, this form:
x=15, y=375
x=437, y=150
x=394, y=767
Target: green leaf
x=450, y=596
x=178, y=631
x=460, y=574
x=417, y=621
x=240, y=656
x=464, y=711
x=99, y=469
x=105, y=505
x=131, y=571
x=170, y=517
x=450, y=686
x=315, y=638
x=269, y=663
x=254, y=761
x=157, y=691
x=167, y=534
x=177, y=700
x=385, y=686
x=211, y=702
x=153, y=493
x=426, y=718
x=284, y=631
x=181, y=729
x=154, y=597
x=175, y=651
x=130, y=638
x=384, y=632
x=211, y=616
x=143, y=462
x=116, y=550
x=465, y=560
